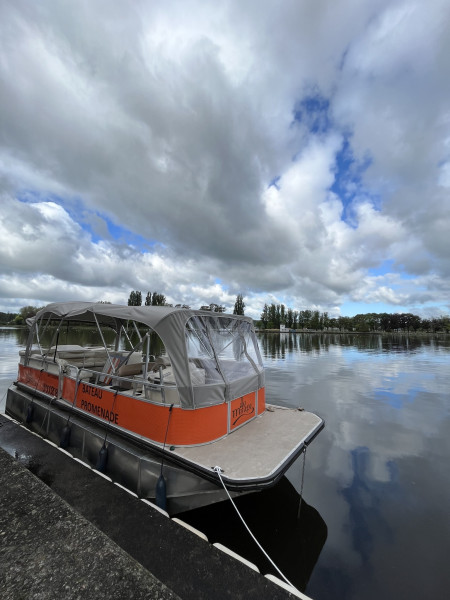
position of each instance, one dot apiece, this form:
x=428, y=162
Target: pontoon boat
x=162, y=391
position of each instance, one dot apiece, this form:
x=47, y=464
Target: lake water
x=374, y=521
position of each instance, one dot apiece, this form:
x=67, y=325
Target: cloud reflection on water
x=386, y=407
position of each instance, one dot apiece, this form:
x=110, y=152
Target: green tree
x=28, y=311
x=239, y=305
x=7, y=317
x=158, y=299
x=332, y=323
x=135, y=298
x=273, y=316
x=289, y=318
x=361, y=323
x=344, y=323
x=282, y=315
x=305, y=318
x=148, y=299
x=265, y=316
x=395, y=321
x=277, y=316
x=315, y=320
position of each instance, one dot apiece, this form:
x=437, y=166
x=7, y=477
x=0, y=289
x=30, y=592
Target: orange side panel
x=39, y=380
x=261, y=400
x=150, y=420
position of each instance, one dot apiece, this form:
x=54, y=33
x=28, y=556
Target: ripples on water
x=374, y=522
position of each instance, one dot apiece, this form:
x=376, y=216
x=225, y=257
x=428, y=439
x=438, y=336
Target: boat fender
x=102, y=459
x=161, y=496
x=65, y=437
x=30, y=411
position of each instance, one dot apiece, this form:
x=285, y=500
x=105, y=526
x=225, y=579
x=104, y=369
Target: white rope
x=3, y=400
x=218, y=470
x=301, y=487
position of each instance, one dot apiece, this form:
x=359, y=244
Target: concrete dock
x=66, y=532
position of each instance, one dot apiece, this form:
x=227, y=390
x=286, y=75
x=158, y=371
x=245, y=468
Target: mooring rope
x=218, y=470
x=4, y=396
x=301, y=485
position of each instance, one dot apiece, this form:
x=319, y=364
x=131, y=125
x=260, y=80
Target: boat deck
x=261, y=447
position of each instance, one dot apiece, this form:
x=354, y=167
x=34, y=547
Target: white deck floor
x=258, y=448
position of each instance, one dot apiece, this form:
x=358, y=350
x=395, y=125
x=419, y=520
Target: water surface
x=375, y=518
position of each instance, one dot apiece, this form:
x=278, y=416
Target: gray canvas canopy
x=223, y=345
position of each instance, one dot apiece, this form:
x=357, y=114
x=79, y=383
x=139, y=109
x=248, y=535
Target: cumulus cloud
x=284, y=152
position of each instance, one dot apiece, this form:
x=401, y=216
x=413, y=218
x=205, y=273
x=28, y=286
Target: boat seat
x=128, y=370
x=161, y=361
x=209, y=367
x=197, y=374
x=78, y=356
x=47, y=363
x=125, y=365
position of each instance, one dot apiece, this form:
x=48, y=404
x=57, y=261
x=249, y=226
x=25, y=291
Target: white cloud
x=170, y=121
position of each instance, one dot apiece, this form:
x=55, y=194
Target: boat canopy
x=214, y=356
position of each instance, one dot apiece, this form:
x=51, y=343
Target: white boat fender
x=160, y=493
x=102, y=458
x=64, y=440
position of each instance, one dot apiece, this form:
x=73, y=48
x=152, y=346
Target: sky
x=295, y=152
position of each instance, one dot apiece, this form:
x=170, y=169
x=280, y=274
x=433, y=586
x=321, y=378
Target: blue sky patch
x=385, y=267
x=98, y=226
x=313, y=111
x=348, y=176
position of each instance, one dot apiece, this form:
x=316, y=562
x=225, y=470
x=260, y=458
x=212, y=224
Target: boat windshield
x=224, y=347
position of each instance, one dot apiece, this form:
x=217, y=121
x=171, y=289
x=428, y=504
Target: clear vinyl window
x=224, y=347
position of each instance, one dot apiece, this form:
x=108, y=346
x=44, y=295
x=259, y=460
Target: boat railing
x=49, y=364
x=46, y=364
x=129, y=380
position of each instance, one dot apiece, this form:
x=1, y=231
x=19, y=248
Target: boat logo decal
x=244, y=410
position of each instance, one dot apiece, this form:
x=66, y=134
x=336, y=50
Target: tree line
x=274, y=315
x=156, y=299
x=152, y=299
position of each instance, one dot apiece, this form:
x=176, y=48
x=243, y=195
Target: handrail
x=133, y=381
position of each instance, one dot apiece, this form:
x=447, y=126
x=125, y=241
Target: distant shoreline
x=311, y=331
x=330, y=332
